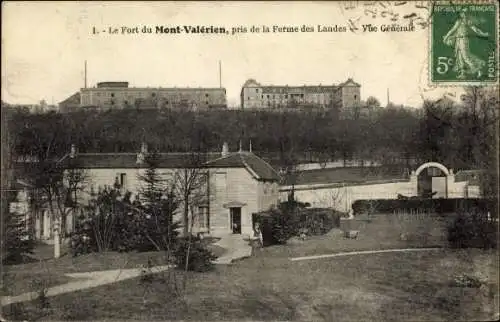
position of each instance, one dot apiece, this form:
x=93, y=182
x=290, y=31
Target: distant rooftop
x=125, y=85
x=347, y=175
x=308, y=88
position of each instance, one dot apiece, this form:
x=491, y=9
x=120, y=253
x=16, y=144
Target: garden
x=450, y=281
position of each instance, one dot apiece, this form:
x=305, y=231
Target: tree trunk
x=186, y=216
x=57, y=243
x=55, y=230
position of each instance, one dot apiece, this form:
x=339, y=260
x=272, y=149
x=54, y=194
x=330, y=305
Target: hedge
x=473, y=230
x=440, y=206
x=278, y=225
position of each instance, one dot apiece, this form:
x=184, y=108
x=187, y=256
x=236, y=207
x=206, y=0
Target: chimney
x=72, y=152
x=142, y=154
x=225, y=149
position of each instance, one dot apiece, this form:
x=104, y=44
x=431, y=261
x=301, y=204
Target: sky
x=45, y=45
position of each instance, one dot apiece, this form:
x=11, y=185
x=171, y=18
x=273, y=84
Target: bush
x=81, y=239
x=318, y=221
x=112, y=223
x=465, y=280
x=16, y=242
x=200, y=257
x=474, y=230
x=282, y=223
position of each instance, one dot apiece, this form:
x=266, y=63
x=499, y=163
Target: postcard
x=250, y=160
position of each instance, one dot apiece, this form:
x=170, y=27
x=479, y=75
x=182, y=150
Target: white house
x=239, y=183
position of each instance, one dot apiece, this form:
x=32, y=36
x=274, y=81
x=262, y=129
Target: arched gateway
x=432, y=165
x=438, y=185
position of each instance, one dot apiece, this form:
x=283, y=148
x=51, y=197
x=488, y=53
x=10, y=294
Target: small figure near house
x=258, y=241
x=303, y=234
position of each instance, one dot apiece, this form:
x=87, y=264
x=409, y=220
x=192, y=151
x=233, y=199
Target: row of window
x=278, y=96
x=138, y=95
x=126, y=102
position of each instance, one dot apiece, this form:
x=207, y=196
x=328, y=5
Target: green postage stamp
x=464, y=43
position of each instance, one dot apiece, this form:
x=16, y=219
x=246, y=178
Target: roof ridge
x=221, y=158
x=265, y=162
x=62, y=158
x=134, y=153
x=247, y=166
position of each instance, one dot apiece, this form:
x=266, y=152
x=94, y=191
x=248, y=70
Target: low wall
x=341, y=198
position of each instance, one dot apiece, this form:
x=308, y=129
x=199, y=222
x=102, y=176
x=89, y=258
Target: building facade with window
x=118, y=95
x=255, y=95
x=234, y=184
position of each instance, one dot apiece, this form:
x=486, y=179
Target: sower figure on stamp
x=458, y=36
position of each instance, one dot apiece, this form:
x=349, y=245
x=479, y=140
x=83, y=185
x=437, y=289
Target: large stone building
x=255, y=95
x=118, y=95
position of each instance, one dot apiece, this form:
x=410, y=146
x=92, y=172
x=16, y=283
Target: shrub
x=200, y=257
x=285, y=224
x=465, y=280
x=82, y=241
x=112, y=222
x=472, y=229
x=280, y=224
x=17, y=241
x=318, y=221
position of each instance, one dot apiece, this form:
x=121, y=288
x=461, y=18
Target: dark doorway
x=425, y=185
x=235, y=214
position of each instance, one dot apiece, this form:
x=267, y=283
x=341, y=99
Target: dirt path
x=83, y=281
x=366, y=252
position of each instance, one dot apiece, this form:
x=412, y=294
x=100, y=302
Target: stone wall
x=341, y=198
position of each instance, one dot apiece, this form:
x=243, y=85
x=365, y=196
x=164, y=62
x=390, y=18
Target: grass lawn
x=268, y=286
x=380, y=232
x=388, y=287
x=28, y=277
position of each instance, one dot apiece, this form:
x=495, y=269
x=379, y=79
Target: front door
x=235, y=214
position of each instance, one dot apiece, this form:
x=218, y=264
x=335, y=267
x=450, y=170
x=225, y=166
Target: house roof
x=345, y=175
x=299, y=89
x=306, y=88
x=250, y=81
x=349, y=81
x=259, y=168
x=73, y=99
x=129, y=160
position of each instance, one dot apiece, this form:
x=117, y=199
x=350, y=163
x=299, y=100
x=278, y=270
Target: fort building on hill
x=118, y=95
x=257, y=96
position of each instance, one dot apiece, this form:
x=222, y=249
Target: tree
x=190, y=184
x=157, y=208
x=477, y=126
x=41, y=157
x=16, y=240
x=108, y=219
x=372, y=102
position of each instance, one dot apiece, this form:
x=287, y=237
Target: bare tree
x=56, y=184
x=190, y=185
x=335, y=198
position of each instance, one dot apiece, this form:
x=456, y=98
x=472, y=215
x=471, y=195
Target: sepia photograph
x=250, y=161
